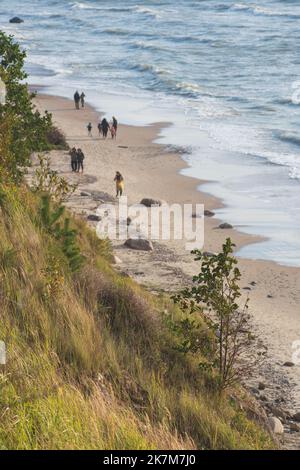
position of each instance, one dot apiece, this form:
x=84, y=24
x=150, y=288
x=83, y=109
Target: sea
x=224, y=74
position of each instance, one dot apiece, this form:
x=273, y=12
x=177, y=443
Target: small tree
x=215, y=296
x=46, y=180
x=50, y=218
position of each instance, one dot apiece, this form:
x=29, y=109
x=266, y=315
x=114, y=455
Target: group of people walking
x=103, y=127
x=77, y=157
x=79, y=99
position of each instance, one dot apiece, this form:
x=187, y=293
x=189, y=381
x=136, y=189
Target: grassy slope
x=91, y=361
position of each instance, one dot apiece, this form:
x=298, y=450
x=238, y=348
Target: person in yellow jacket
x=119, y=183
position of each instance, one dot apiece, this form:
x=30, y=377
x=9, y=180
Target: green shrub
x=215, y=295
x=56, y=138
x=26, y=129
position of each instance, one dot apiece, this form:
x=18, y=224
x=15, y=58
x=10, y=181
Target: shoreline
x=150, y=170
x=246, y=239
x=212, y=202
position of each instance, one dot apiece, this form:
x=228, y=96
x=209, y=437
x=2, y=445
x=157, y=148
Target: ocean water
x=226, y=75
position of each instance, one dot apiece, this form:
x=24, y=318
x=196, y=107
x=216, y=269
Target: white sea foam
x=52, y=64
x=189, y=87
x=148, y=11
x=259, y=10
x=148, y=45
x=255, y=142
x=105, y=8
x=84, y=6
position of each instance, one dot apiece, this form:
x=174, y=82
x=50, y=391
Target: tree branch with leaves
x=215, y=295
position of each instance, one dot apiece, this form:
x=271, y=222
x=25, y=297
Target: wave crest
x=258, y=10
x=147, y=11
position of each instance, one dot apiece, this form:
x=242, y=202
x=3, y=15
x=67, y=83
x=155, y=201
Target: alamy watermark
x=158, y=222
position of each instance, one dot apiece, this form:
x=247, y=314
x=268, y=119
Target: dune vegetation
x=93, y=359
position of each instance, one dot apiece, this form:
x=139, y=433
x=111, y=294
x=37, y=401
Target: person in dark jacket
x=89, y=128
x=100, y=129
x=76, y=99
x=104, y=127
x=80, y=158
x=73, y=155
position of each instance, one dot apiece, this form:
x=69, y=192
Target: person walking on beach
x=80, y=158
x=104, y=127
x=119, y=180
x=100, y=129
x=89, y=128
x=115, y=124
x=76, y=99
x=82, y=99
x=113, y=128
x=73, y=154
x=112, y=131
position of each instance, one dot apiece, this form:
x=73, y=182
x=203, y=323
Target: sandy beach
x=150, y=171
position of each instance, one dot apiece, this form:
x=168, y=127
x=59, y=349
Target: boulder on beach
x=208, y=213
x=101, y=196
x=225, y=226
x=261, y=386
x=141, y=244
x=148, y=202
x=85, y=194
x=288, y=364
x=94, y=218
x=276, y=425
x=16, y=20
